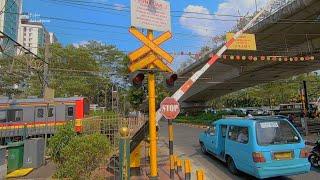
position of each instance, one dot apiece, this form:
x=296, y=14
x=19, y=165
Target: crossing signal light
x=171, y=78
x=137, y=79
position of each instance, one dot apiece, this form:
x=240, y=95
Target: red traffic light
x=137, y=79
x=171, y=79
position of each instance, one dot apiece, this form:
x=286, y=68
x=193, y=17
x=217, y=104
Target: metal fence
x=275, y=7
x=27, y=130
x=107, y=125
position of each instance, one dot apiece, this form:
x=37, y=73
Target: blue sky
x=189, y=34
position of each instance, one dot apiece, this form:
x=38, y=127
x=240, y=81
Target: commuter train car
x=39, y=115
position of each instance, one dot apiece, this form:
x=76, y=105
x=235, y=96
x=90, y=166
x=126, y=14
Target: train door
x=14, y=115
x=28, y=114
x=70, y=112
x=60, y=113
x=3, y=116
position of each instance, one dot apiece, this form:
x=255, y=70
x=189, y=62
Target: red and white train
x=40, y=115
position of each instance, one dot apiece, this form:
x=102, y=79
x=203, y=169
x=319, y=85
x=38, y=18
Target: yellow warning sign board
x=244, y=42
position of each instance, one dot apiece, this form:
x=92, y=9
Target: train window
x=14, y=115
x=50, y=112
x=70, y=111
x=3, y=116
x=40, y=113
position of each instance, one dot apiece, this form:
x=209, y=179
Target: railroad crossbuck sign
x=169, y=108
x=150, y=53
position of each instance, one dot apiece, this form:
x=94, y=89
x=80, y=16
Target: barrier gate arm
x=188, y=84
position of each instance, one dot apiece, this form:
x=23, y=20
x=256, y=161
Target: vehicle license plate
x=282, y=155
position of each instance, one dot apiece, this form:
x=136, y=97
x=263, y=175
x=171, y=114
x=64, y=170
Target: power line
x=127, y=8
x=127, y=11
x=21, y=46
x=77, y=21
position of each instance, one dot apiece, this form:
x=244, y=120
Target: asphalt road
x=186, y=145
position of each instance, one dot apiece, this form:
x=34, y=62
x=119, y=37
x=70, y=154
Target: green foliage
x=136, y=96
x=82, y=156
x=64, y=135
x=271, y=94
x=80, y=78
x=102, y=113
x=12, y=72
x=85, y=70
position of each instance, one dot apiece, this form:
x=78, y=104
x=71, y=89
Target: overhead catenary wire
x=125, y=8
x=127, y=11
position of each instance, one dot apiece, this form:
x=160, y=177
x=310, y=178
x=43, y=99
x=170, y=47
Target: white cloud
x=81, y=43
x=201, y=23
x=239, y=7
x=197, y=21
x=119, y=7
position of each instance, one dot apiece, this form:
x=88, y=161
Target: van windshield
x=276, y=132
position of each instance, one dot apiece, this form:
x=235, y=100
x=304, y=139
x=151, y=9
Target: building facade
x=53, y=38
x=32, y=35
x=9, y=24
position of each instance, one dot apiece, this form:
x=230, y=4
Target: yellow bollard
x=175, y=161
x=200, y=174
x=187, y=169
x=172, y=167
x=179, y=165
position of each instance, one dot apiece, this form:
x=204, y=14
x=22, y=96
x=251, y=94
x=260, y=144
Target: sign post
x=153, y=15
x=170, y=109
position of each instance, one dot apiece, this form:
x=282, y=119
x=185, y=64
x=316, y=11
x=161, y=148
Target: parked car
x=262, y=147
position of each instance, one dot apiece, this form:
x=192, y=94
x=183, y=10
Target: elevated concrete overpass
x=293, y=30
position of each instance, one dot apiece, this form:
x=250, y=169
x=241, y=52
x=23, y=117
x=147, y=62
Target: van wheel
x=231, y=166
x=203, y=148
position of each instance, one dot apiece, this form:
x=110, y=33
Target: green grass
x=102, y=113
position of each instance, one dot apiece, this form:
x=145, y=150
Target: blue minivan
x=262, y=147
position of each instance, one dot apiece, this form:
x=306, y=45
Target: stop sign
x=169, y=108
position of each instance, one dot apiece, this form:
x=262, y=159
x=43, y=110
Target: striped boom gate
x=188, y=84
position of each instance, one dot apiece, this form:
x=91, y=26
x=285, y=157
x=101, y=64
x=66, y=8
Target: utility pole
x=45, y=85
x=306, y=102
x=46, y=66
x=118, y=109
x=255, y=2
x=112, y=98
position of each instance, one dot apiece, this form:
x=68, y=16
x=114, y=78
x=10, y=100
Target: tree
x=273, y=93
x=110, y=59
x=61, y=139
x=14, y=74
x=136, y=96
x=82, y=156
